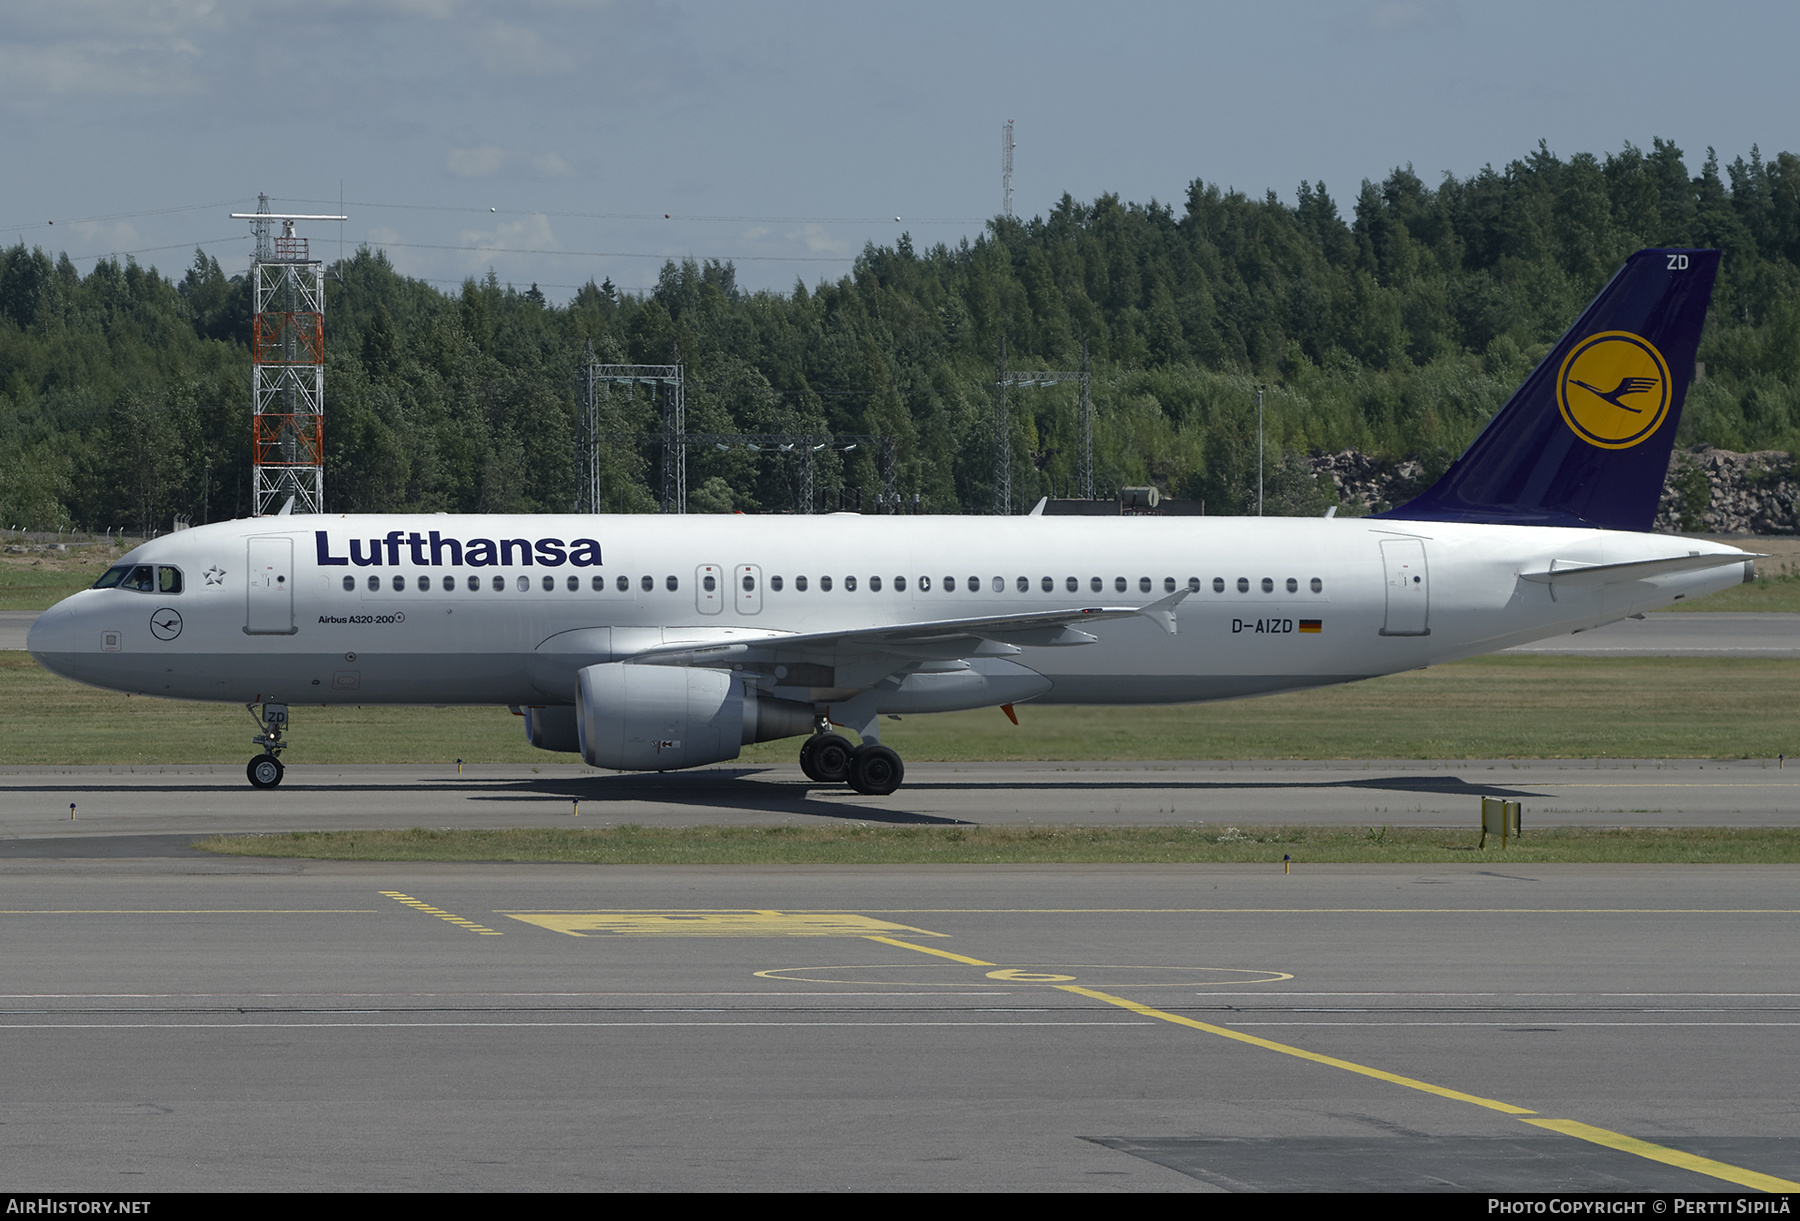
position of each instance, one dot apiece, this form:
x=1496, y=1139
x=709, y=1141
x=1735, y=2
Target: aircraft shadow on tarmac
x=743, y=789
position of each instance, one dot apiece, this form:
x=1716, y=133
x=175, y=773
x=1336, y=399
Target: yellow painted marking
x=1016, y=976
x=1568, y=1127
x=1668, y=1156
x=427, y=909
x=925, y=949
x=714, y=924
x=1270, y=1045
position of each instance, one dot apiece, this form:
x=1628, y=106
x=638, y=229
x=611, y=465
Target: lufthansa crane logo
x=1614, y=389
x=165, y=624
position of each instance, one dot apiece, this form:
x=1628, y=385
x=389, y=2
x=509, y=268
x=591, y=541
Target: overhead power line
x=780, y=220
x=90, y=220
x=621, y=254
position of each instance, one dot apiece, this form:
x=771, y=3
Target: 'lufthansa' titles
x=433, y=550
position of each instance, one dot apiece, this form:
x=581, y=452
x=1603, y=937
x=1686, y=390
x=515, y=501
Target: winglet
x=1162, y=611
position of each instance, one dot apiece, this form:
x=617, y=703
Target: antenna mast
x=1006, y=151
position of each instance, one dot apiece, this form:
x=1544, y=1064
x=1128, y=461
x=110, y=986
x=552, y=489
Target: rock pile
x=1707, y=491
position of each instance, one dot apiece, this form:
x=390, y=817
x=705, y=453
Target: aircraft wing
x=928, y=640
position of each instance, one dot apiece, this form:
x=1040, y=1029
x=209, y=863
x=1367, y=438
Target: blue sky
x=548, y=139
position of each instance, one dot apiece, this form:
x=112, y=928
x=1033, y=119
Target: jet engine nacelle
x=642, y=718
x=552, y=728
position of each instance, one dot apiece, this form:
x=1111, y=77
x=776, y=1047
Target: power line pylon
x=287, y=370
x=1025, y=378
x=597, y=381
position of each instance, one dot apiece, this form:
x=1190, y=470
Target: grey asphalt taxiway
x=228, y=1024
x=122, y=807
x=175, y=1021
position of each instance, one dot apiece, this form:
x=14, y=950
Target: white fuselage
x=264, y=615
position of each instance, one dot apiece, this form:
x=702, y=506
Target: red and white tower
x=287, y=371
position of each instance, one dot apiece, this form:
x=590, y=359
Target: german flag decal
x=1312, y=625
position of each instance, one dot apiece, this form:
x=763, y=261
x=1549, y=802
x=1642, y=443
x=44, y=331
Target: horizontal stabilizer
x=1635, y=570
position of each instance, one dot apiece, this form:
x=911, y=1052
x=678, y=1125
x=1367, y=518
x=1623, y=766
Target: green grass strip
x=1519, y=707
x=1074, y=845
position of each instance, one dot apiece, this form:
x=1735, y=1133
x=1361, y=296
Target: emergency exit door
x=1408, y=588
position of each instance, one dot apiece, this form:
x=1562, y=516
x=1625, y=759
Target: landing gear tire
x=825, y=757
x=875, y=771
x=265, y=772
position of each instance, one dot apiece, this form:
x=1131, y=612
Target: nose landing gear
x=265, y=770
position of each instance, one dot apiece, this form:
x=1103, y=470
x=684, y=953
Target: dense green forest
x=1396, y=330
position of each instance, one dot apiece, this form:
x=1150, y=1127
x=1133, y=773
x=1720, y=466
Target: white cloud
x=100, y=68
x=102, y=237
x=551, y=165
x=1406, y=17
x=501, y=46
x=480, y=162
x=489, y=247
x=820, y=242
x=756, y=234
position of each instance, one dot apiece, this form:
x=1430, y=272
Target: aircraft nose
x=51, y=632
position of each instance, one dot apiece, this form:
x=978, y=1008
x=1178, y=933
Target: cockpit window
x=143, y=578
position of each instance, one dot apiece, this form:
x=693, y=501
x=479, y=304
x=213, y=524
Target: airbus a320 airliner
x=657, y=643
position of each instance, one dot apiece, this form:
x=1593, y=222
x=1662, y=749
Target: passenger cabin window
x=825, y=584
x=648, y=584
x=775, y=584
x=674, y=583
x=1218, y=585
x=1293, y=586
x=1268, y=585
x=474, y=583
x=800, y=584
x=349, y=584
x=374, y=583
x=1243, y=585
x=1317, y=585
x=849, y=584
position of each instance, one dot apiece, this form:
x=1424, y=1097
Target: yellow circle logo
x=1614, y=389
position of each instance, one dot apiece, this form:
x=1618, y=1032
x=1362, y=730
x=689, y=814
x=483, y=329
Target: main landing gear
x=265, y=770
x=871, y=769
